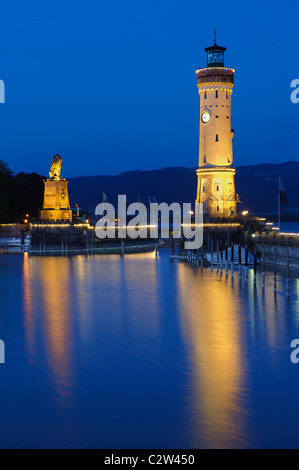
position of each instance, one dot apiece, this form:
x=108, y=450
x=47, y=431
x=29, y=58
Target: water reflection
x=28, y=306
x=47, y=305
x=210, y=316
x=143, y=351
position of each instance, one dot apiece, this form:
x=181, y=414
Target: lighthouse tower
x=216, y=185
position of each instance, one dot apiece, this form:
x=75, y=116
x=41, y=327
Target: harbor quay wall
x=71, y=239
x=66, y=239
x=283, y=248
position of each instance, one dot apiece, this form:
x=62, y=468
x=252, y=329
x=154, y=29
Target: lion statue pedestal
x=56, y=204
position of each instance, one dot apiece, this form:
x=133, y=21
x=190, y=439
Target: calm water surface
x=142, y=351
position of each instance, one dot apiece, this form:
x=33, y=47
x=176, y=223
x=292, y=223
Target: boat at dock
x=14, y=242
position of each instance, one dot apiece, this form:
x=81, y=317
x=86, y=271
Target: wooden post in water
x=232, y=258
x=288, y=273
x=255, y=265
x=221, y=256
x=226, y=258
x=240, y=260
x=246, y=263
x=264, y=265
x=22, y=240
x=217, y=254
x=87, y=241
x=212, y=253
x=171, y=244
x=202, y=255
x=40, y=240
x=275, y=269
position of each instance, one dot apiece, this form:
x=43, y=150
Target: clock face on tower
x=205, y=117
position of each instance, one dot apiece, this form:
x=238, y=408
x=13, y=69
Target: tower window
x=204, y=189
x=227, y=95
x=217, y=188
x=217, y=208
x=216, y=116
x=216, y=94
x=205, y=95
x=217, y=138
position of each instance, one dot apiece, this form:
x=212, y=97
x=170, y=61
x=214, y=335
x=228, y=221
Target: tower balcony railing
x=215, y=74
x=215, y=71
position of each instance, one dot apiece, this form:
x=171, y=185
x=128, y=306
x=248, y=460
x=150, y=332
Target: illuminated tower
x=216, y=186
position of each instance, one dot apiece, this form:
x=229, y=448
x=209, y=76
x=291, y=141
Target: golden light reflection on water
x=118, y=306
x=28, y=305
x=209, y=314
x=47, y=312
x=225, y=322
x=56, y=293
x=82, y=295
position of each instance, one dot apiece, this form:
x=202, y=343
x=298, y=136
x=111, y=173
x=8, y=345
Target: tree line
x=20, y=194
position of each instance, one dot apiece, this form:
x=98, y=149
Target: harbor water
x=143, y=351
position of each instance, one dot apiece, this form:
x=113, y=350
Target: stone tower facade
x=216, y=185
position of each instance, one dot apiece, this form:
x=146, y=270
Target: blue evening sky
x=111, y=85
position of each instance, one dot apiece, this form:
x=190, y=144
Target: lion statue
x=56, y=168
